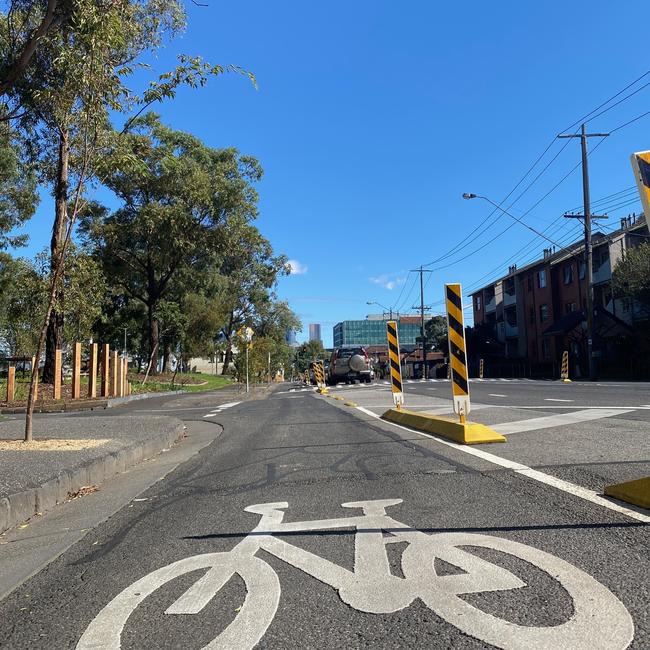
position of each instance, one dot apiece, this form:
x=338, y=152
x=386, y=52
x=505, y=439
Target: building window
x=546, y=348
x=569, y=307
x=478, y=303
x=581, y=269
x=541, y=279
x=568, y=274
x=543, y=312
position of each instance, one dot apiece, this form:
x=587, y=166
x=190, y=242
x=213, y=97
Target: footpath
x=70, y=456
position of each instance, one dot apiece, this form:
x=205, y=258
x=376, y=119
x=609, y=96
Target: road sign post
x=395, y=365
x=319, y=376
x=564, y=375
x=457, y=350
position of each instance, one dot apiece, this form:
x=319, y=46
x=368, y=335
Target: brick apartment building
x=531, y=315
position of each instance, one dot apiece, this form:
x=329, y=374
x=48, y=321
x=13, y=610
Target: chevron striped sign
x=457, y=350
x=395, y=365
x=641, y=167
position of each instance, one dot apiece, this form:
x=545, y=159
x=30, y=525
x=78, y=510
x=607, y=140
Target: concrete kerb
x=118, y=401
x=467, y=433
x=17, y=508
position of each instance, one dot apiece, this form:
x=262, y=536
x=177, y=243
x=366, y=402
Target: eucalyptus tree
x=250, y=271
x=76, y=80
x=183, y=209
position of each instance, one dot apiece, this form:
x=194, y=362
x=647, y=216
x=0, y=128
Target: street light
x=469, y=195
x=386, y=309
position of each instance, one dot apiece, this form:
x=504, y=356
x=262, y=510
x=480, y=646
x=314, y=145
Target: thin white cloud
x=297, y=268
x=388, y=281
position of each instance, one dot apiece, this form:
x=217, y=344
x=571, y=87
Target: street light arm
x=468, y=195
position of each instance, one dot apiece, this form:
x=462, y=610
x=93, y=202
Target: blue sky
x=372, y=118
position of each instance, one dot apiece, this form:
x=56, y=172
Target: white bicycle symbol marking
x=599, y=619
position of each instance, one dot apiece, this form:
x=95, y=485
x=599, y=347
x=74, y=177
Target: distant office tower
x=314, y=332
x=290, y=338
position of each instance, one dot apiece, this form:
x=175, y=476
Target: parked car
x=349, y=364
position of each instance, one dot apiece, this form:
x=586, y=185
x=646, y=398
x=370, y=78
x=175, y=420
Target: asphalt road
x=438, y=546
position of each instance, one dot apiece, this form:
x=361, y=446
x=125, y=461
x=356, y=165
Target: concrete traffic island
x=71, y=453
x=466, y=433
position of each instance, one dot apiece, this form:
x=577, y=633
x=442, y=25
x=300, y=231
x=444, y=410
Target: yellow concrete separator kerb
x=468, y=433
x=636, y=492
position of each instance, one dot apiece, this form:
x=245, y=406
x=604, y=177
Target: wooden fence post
x=114, y=374
x=125, y=375
x=11, y=383
x=92, y=371
x=76, y=371
x=58, y=363
x=106, y=382
x=120, y=377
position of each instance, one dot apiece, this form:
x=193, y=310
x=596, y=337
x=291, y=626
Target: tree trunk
x=54, y=336
x=153, y=340
x=167, y=358
x=227, y=360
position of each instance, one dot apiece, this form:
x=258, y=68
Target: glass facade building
x=372, y=332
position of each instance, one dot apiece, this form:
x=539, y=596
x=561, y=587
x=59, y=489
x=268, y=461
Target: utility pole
x=422, y=308
x=587, y=216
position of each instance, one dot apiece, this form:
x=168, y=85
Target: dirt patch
x=82, y=492
x=52, y=444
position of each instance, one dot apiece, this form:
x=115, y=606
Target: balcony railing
x=511, y=330
x=509, y=298
x=491, y=304
x=603, y=273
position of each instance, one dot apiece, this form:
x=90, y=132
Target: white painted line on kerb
x=551, y=399
x=496, y=395
x=558, y=420
x=576, y=490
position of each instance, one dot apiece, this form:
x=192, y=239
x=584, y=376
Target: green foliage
x=436, y=332
x=22, y=299
x=631, y=276
x=185, y=217
x=23, y=296
x=18, y=197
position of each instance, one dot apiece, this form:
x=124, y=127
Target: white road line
x=210, y=415
x=533, y=424
x=228, y=405
x=576, y=490
x=551, y=399
x=496, y=395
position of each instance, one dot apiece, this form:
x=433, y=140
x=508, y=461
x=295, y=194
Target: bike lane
x=314, y=457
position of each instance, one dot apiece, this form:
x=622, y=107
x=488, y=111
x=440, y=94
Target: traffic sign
x=394, y=360
x=641, y=168
x=457, y=350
